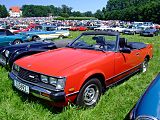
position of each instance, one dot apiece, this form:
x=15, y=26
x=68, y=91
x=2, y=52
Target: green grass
x=113, y=105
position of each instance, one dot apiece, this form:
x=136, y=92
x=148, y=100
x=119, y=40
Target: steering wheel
x=109, y=47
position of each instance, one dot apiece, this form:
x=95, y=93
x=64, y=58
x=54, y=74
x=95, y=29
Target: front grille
x=28, y=75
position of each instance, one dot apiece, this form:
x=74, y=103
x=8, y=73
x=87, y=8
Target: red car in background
x=78, y=28
x=25, y=29
x=80, y=72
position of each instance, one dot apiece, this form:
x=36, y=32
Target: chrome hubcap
x=17, y=42
x=91, y=94
x=145, y=65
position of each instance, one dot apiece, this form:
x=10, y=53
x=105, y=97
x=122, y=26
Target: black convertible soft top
x=111, y=33
x=136, y=45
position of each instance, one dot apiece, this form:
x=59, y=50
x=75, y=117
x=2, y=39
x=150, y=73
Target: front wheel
x=61, y=37
x=90, y=93
x=144, y=65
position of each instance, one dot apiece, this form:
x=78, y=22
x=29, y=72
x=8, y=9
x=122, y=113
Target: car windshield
x=95, y=42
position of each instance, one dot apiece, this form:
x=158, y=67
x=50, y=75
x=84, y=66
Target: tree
x=88, y=14
x=99, y=14
x=3, y=11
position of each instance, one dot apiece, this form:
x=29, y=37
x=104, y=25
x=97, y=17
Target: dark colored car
x=148, y=106
x=149, y=32
x=11, y=53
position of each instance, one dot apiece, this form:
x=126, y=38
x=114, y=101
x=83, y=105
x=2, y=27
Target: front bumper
x=54, y=96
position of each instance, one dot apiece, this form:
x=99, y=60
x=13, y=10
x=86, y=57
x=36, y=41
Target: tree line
x=131, y=10
x=126, y=10
x=44, y=11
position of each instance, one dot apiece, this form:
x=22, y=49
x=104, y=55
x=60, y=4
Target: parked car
x=47, y=32
x=131, y=30
x=8, y=38
x=118, y=28
x=9, y=54
x=81, y=71
x=150, y=32
x=101, y=28
x=78, y=28
x=23, y=29
x=147, y=107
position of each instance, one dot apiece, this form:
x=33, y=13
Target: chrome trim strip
x=72, y=93
x=124, y=71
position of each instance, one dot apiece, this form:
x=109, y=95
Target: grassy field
x=113, y=105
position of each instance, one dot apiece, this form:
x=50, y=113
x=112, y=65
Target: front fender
x=90, y=75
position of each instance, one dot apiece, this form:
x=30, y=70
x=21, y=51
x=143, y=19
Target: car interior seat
x=100, y=40
x=122, y=42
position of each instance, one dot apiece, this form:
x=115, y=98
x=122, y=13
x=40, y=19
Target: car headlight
x=61, y=83
x=44, y=78
x=53, y=81
x=58, y=82
x=16, y=67
x=6, y=53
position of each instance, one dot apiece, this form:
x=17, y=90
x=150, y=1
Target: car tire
x=61, y=37
x=90, y=93
x=17, y=42
x=144, y=65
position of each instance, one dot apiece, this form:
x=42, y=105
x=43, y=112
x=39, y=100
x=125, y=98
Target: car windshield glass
x=95, y=42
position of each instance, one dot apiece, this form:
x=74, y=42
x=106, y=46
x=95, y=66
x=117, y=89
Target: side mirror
x=125, y=50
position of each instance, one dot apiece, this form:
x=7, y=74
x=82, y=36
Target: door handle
x=137, y=53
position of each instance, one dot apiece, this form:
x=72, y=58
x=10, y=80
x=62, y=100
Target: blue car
x=150, y=32
x=148, y=106
x=8, y=38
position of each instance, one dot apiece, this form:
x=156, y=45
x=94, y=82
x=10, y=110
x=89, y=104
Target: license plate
x=22, y=87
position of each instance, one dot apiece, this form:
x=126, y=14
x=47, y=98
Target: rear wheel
x=34, y=38
x=61, y=37
x=17, y=42
x=145, y=65
x=90, y=93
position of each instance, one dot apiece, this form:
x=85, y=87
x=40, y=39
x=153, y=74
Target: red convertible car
x=80, y=72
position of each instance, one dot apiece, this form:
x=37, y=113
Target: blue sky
x=77, y=5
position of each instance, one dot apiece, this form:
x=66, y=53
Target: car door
x=126, y=63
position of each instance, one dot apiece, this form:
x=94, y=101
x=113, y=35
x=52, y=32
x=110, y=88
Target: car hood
x=54, y=61
x=149, y=103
